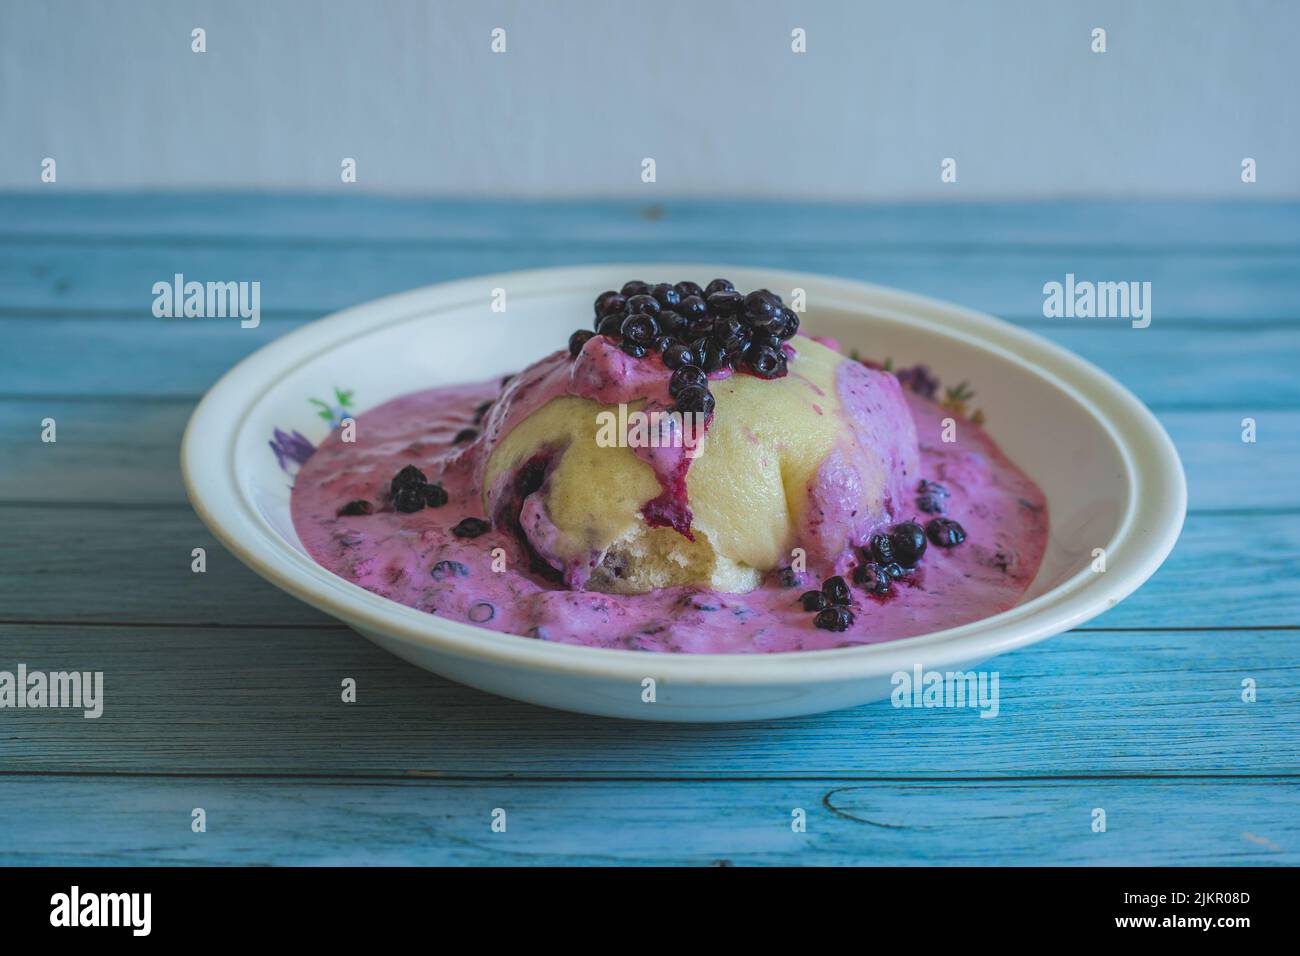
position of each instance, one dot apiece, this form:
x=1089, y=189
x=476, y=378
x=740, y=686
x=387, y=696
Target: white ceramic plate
x=1112, y=478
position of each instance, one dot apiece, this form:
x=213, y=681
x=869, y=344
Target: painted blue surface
x=224, y=692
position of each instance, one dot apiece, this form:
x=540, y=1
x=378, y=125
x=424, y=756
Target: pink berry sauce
x=416, y=559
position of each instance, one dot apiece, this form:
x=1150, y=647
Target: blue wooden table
x=223, y=693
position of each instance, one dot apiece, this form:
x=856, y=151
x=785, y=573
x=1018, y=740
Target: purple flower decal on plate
x=294, y=448
x=291, y=448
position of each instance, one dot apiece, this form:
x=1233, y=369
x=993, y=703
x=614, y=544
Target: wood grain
x=333, y=822
x=320, y=219
x=257, y=701
x=114, y=280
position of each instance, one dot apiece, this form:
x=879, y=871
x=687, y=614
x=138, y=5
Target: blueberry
x=894, y=571
x=699, y=326
x=699, y=345
x=837, y=590
x=435, y=496
x=813, y=600
x=470, y=528
x=670, y=322
x=358, y=507
x=464, y=435
x=789, y=324
x=873, y=579
x=685, y=289
x=577, y=340
x=725, y=303
x=728, y=332
x=908, y=541
x=764, y=361
x=406, y=490
x=677, y=355
x=834, y=619
x=610, y=325
x=482, y=612
x=945, y=532
x=718, y=285
x=635, y=287
x=666, y=295
x=609, y=302
x=448, y=569
x=693, y=307
x=410, y=475
x=716, y=356
x=408, y=499
x=642, y=303
x=640, y=328
x=634, y=350
x=762, y=310
x=930, y=504
x=693, y=399
x=880, y=549
x=930, y=495
x=687, y=376
x=731, y=336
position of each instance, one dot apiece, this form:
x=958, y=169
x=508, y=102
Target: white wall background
x=711, y=90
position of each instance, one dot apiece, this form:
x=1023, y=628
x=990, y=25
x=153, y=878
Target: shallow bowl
x=1111, y=475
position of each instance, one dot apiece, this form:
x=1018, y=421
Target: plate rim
x=1151, y=523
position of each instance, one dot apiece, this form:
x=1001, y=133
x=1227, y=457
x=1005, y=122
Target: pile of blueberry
x=887, y=557
x=410, y=491
x=831, y=604
x=696, y=331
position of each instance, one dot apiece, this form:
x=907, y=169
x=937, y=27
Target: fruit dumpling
x=695, y=438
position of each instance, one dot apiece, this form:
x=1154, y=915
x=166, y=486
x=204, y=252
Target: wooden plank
x=115, y=280
x=1148, y=822
x=119, y=451
x=109, y=451
x=1226, y=474
x=1167, y=367
x=130, y=565
x=345, y=219
x=1259, y=553
x=133, y=565
x=261, y=701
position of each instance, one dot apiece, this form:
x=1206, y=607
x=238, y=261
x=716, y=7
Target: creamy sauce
x=415, y=560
